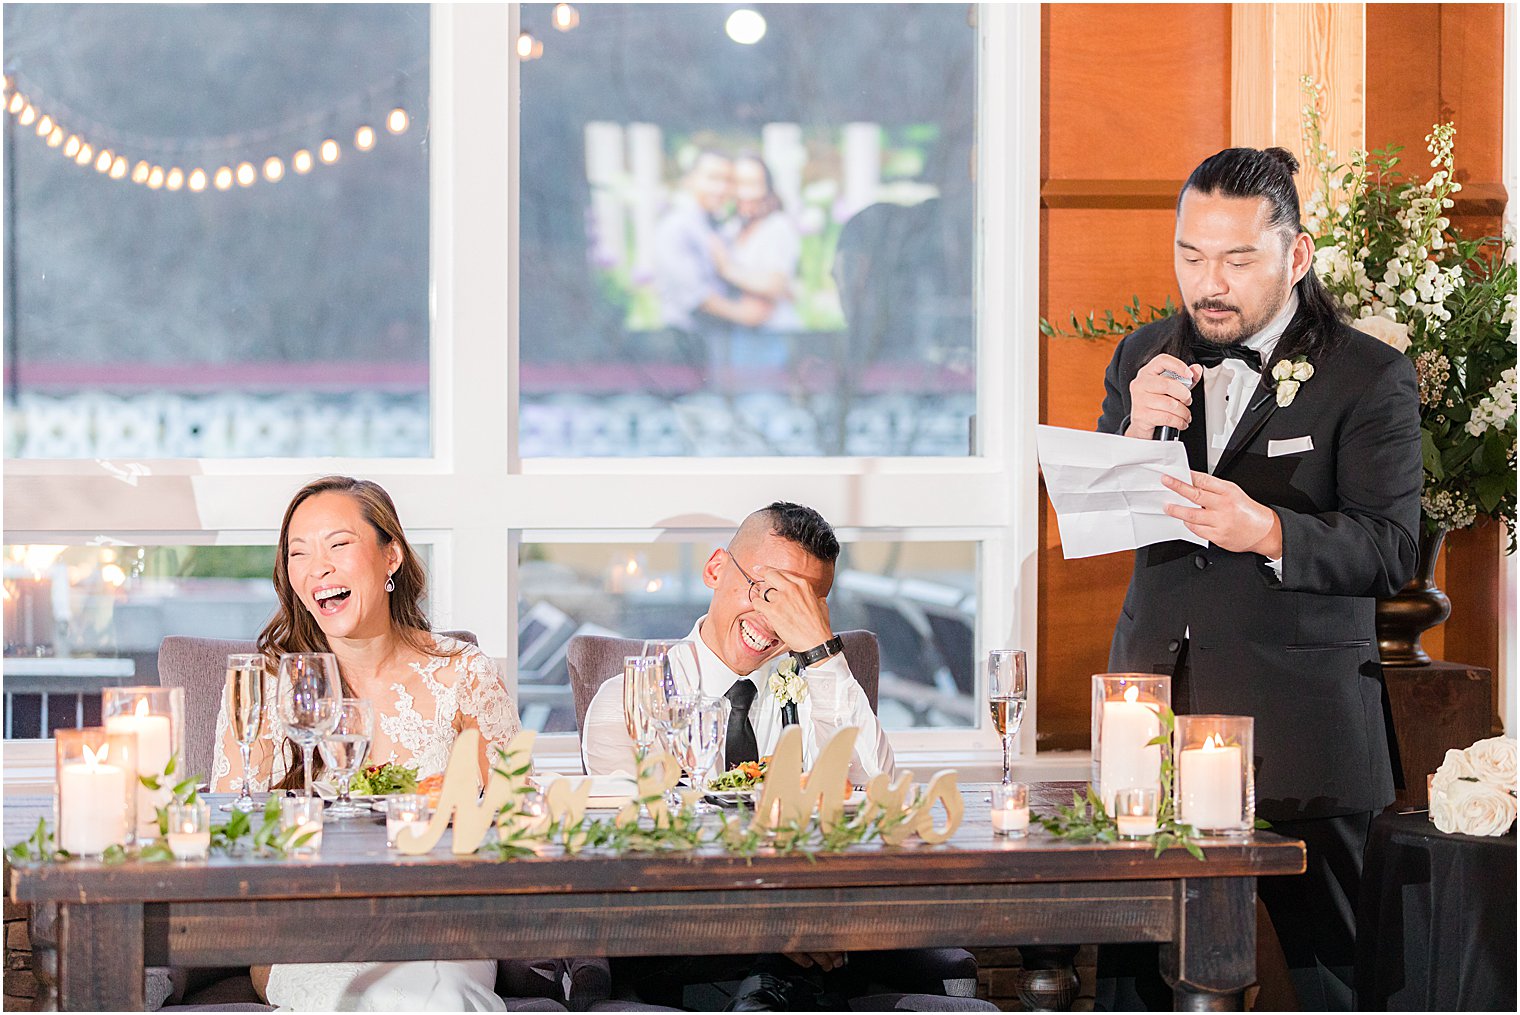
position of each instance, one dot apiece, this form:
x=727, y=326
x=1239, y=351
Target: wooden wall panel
x=1135, y=96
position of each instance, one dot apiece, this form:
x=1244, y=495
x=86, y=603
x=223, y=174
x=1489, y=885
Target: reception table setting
x=135, y=873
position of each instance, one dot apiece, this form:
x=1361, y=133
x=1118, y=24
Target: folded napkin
x=606, y=790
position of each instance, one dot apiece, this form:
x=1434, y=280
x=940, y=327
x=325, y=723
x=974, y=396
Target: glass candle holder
x=1010, y=810
x=1135, y=812
x=1216, y=783
x=189, y=830
x=157, y=716
x=402, y=812
x=96, y=798
x=1126, y=717
x=304, y=816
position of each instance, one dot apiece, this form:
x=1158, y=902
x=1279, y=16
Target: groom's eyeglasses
x=752, y=581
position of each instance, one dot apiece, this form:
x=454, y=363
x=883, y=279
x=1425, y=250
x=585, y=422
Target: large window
x=748, y=232
x=546, y=436
x=216, y=231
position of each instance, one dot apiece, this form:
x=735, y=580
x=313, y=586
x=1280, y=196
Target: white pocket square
x=1292, y=446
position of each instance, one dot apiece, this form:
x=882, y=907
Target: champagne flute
x=671, y=715
x=245, y=711
x=309, y=693
x=702, y=743
x=1008, y=690
x=344, y=749
x=638, y=679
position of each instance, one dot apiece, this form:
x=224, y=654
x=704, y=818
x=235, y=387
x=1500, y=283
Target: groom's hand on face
x=795, y=612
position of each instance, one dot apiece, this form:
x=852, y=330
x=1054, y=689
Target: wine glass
x=1007, y=690
x=638, y=680
x=701, y=743
x=344, y=749
x=245, y=712
x=309, y=693
x=671, y=716
x=676, y=667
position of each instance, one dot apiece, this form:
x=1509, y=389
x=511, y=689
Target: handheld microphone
x=1169, y=433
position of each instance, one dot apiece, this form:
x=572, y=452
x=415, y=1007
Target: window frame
x=474, y=500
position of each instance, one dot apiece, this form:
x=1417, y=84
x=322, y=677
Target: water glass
x=701, y=742
x=344, y=750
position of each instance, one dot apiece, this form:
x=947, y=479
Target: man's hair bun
x=1285, y=157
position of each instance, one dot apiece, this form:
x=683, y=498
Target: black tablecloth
x=1436, y=924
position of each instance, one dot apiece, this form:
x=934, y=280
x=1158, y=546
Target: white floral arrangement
x=787, y=685
x=1473, y=792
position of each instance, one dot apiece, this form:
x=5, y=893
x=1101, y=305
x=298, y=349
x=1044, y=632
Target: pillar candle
x=1124, y=759
x=92, y=805
x=155, y=746
x=1209, y=788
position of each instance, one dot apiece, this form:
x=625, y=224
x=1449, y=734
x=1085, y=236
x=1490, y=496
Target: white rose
x=1493, y=761
x=1475, y=808
x=1303, y=371
x=1286, y=391
x=1388, y=332
x=1456, y=765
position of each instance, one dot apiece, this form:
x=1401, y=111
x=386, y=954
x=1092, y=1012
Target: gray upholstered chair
x=593, y=659
x=199, y=665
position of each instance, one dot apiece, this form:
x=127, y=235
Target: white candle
x=92, y=805
x=1209, y=786
x=1125, y=760
x=1136, y=826
x=155, y=746
x=189, y=845
x=1006, y=820
x=312, y=828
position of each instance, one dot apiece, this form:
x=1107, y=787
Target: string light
x=120, y=166
x=529, y=47
x=566, y=17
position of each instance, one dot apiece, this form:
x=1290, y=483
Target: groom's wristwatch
x=813, y=656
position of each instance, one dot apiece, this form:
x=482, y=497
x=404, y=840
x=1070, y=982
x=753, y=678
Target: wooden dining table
x=95, y=925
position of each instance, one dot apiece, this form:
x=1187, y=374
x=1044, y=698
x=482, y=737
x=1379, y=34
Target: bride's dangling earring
x=390, y=583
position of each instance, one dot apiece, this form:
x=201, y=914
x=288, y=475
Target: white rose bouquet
x=1473, y=791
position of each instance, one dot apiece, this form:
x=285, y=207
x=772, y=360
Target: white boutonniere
x=1288, y=375
x=788, y=686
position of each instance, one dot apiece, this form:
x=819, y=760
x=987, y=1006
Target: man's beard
x=1233, y=329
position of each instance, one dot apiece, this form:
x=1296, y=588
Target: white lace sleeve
x=484, y=699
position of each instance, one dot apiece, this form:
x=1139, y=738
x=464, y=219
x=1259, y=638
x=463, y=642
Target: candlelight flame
x=142, y=707
x=93, y=760
x=654, y=585
x=113, y=575
x=1213, y=743
x=38, y=558
x=1131, y=694
x=188, y=827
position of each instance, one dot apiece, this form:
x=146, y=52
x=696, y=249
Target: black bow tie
x=1211, y=354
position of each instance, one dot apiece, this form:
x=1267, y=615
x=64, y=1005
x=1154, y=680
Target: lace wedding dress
x=440, y=697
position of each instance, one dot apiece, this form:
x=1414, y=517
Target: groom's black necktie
x=1211, y=354
x=740, y=743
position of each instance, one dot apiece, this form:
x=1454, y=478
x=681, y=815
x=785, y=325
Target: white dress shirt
x=1231, y=387
x=834, y=700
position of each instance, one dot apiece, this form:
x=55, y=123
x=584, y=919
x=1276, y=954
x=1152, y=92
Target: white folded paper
x=606, y=790
x=1107, y=490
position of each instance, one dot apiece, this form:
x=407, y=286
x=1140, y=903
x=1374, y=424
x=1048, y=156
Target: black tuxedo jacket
x=1300, y=653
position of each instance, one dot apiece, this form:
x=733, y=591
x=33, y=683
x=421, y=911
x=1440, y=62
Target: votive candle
x=1010, y=810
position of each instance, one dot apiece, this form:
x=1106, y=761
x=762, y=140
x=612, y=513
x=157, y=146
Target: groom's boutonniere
x=1288, y=375
x=787, y=685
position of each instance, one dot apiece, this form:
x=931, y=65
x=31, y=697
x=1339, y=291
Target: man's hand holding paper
x=1107, y=490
